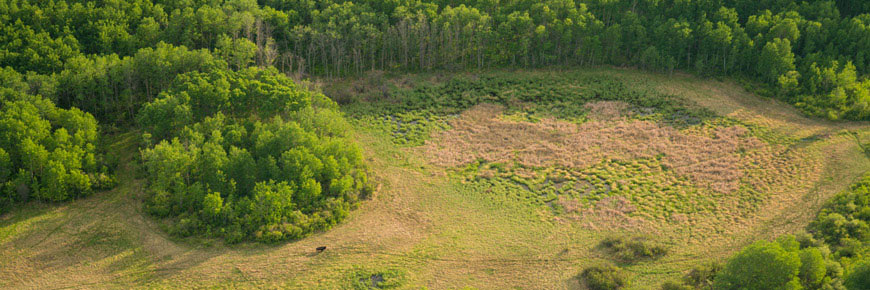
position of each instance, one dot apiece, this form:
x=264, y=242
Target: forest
x=239, y=138
x=812, y=54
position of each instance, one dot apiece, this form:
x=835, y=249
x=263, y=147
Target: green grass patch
x=653, y=191
x=365, y=279
x=411, y=128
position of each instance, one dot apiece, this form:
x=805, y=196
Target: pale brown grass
x=607, y=110
x=714, y=157
x=609, y=213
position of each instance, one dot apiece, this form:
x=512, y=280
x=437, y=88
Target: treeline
x=812, y=53
x=804, y=52
x=834, y=254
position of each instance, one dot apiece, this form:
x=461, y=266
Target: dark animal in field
x=320, y=249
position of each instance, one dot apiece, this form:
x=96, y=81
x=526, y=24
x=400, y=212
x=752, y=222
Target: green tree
x=238, y=53
x=859, y=277
x=46, y=152
x=776, y=59
x=762, y=265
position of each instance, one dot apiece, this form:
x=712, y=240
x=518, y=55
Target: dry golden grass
x=718, y=158
x=607, y=110
x=608, y=214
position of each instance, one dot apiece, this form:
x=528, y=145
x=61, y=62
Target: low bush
x=365, y=279
x=633, y=249
x=700, y=277
x=676, y=285
x=604, y=278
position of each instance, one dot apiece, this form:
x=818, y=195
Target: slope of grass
x=487, y=226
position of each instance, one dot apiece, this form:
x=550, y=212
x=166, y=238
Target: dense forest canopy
x=812, y=53
x=229, y=149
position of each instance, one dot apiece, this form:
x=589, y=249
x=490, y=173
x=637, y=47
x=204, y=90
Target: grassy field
x=496, y=185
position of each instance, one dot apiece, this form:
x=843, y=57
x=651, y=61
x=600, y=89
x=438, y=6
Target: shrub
x=364, y=279
x=702, y=276
x=633, y=249
x=676, y=285
x=604, y=278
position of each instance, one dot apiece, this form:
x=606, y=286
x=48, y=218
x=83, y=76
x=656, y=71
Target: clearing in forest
x=491, y=181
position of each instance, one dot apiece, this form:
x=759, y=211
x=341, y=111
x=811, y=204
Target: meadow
x=492, y=180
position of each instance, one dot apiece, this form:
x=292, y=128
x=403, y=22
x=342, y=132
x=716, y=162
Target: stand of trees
x=266, y=181
x=804, y=52
x=230, y=150
x=46, y=153
x=219, y=170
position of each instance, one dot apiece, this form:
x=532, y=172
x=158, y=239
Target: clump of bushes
x=700, y=277
x=604, y=278
x=845, y=219
x=633, y=249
